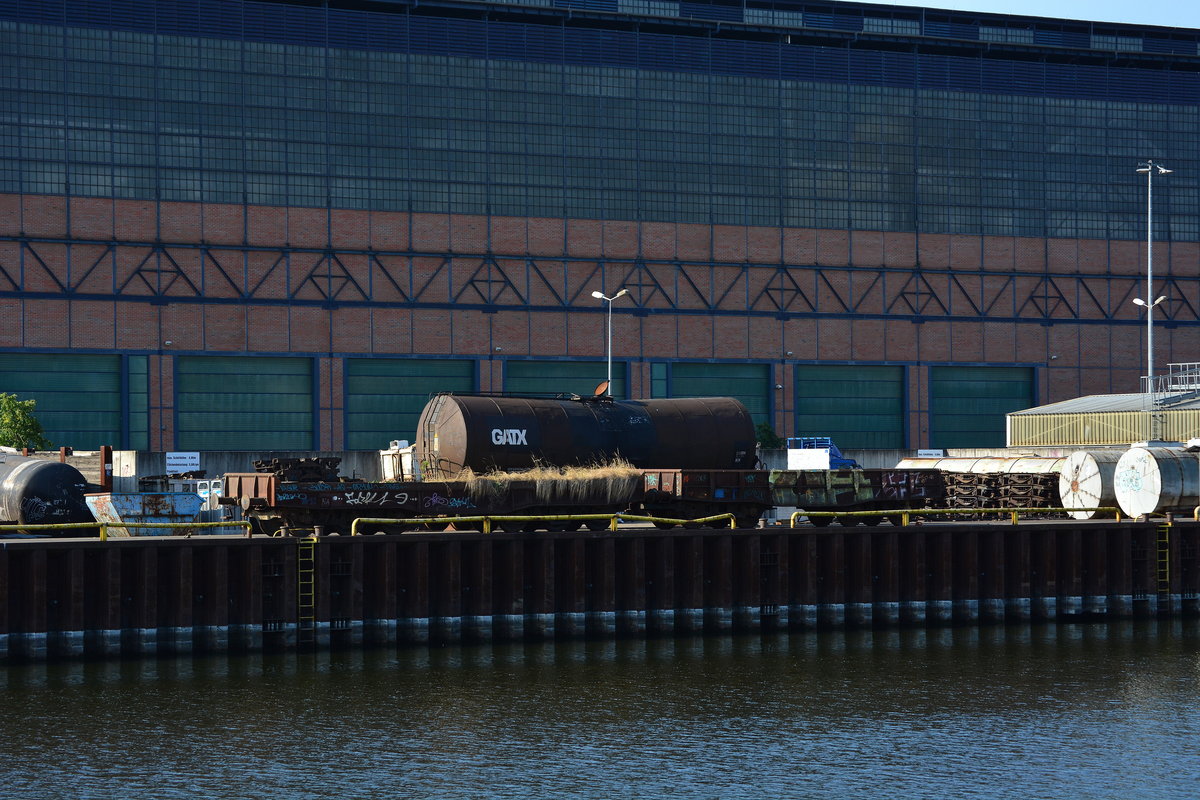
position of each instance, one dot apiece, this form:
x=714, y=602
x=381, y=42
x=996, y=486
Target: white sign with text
x=182, y=462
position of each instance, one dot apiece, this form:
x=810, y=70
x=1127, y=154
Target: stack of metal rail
x=1029, y=490
x=972, y=490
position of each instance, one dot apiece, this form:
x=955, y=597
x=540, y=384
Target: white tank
x=1154, y=480
x=989, y=465
x=1086, y=481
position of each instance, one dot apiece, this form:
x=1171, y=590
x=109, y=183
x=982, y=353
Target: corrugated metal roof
x=1098, y=403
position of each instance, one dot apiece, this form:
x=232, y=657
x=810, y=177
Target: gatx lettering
x=508, y=436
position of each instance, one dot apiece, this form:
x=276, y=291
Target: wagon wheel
x=664, y=526
x=596, y=524
x=849, y=522
x=821, y=522
x=872, y=521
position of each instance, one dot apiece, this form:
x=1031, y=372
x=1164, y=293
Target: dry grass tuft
x=601, y=483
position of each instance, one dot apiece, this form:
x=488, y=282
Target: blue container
x=135, y=507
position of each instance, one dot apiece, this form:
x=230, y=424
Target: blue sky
x=1172, y=13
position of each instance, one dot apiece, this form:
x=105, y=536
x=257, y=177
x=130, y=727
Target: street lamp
x=1150, y=169
x=609, y=300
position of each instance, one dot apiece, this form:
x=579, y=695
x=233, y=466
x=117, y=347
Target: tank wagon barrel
x=485, y=434
x=34, y=491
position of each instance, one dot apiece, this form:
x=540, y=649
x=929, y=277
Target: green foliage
x=19, y=428
x=767, y=437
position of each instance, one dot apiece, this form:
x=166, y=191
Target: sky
x=1171, y=13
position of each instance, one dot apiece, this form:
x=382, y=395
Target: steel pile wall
x=72, y=598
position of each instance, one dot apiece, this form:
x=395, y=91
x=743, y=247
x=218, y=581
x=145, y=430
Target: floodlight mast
x=608, y=349
x=1150, y=169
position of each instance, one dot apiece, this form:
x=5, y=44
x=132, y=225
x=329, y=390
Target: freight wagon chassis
x=270, y=523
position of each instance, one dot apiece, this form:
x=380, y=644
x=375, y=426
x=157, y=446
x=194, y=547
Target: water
x=1079, y=711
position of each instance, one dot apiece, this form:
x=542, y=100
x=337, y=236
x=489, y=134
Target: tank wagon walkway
x=144, y=596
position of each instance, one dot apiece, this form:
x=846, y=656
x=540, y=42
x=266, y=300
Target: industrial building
x=1171, y=413
x=236, y=224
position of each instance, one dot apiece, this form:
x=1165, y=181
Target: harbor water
x=1044, y=711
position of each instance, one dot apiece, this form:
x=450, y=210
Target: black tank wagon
x=486, y=433
x=687, y=458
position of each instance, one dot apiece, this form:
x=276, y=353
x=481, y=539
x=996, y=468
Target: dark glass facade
x=378, y=187
x=867, y=118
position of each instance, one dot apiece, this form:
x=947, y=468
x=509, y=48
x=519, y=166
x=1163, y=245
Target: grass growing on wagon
x=601, y=483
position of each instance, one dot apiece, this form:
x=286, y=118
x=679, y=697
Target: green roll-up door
x=858, y=407
x=750, y=383
x=385, y=396
x=967, y=405
x=243, y=403
x=139, y=403
x=78, y=396
x=558, y=377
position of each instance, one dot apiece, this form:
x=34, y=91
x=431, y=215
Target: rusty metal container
x=133, y=507
x=485, y=433
x=38, y=492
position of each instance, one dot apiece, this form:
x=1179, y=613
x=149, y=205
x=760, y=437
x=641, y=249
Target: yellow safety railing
x=906, y=514
x=60, y=526
x=104, y=526
x=488, y=521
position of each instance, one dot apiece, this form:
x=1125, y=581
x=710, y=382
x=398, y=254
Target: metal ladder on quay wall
x=1163, y=563
x=306, y=592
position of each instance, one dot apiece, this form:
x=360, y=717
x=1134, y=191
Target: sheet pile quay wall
x=73, y=598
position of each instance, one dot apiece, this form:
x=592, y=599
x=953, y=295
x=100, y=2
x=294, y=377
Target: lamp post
x=609, y=300
x=1150, y=169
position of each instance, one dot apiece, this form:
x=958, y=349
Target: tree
x=767, y=437
x=19, y=428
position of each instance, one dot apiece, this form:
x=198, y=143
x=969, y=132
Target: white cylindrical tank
x=944, y=464
x=1154, y=480
x=989, y=465
x=1086, y=481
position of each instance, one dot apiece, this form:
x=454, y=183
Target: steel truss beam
x=206, y=273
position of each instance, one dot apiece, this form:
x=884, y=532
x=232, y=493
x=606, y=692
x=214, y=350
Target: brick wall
x=102, y=275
